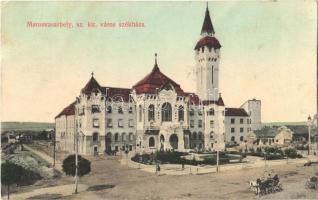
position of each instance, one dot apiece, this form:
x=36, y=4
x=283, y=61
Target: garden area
x=22, y=168
x=174, y=157
x=274, y=153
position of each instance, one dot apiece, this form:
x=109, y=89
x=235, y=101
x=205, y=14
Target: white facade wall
x=123, y=124
x=214, y=127
x=207, y=73
x=157, y=128
x=90, y=123
x=253, y=108
x=236, y=126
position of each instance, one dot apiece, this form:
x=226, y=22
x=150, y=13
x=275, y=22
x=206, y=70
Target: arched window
x=123, y=136
x=151, y=112
x=241, y=138
x=232, y=138
x=116, y=137
x=131, y=136
x=140, y=113
x=200, y=135
x=194, y=135
x=211, y=111
x=180, y=113
x=166, y=112
x=151, y=142
x=95, y=137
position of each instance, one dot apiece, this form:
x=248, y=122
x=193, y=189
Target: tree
x=69, y=166
x=10, y=174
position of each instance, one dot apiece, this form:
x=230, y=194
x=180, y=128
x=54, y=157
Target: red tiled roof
x=117, y=94
x=235, y=112
x=69, y=110
x=155, y=79
x=194, y=99
x=208, y=41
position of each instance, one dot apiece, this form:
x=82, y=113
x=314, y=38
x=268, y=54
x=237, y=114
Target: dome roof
x=208, y=41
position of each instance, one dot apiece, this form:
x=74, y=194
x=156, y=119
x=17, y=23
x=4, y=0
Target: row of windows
x=202, y=50
x=120, y=123
x=118, y=137
x=166, y=113
x=195, y=136
x=109, y=110
x=248, y=121
x=241, y=130
x=233, y=138
x=192, y=123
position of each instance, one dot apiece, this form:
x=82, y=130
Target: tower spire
x=207, y=27
x=156, y=64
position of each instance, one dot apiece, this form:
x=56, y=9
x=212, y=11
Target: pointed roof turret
x=154, y=81
x=207, y=27
x=91, y=86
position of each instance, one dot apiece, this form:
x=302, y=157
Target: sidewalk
x=174, y=169
x=62, y=190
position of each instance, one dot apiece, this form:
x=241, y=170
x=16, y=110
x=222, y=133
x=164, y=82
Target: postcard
x=159, y=100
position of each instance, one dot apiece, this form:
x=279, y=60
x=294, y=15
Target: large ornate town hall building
x=156, y=113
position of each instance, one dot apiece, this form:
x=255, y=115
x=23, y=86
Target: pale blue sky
x=268, y=52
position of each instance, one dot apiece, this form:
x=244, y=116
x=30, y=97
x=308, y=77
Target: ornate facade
x=156, y=113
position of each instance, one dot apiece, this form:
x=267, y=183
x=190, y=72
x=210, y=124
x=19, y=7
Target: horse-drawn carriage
x=266, y=185
x=312, y=183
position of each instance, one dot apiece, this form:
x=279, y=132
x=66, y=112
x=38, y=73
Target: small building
x=284, y=136
x=266, y=136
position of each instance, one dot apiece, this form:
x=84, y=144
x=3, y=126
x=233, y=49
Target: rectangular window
x=241, y=130
x=95, y=123
x=191, y=123
x=212, y=124
x=120, y=123
x=109, y=123
x=191, y=112
x=241, y=121
x=131, y=123
x=95, y=109
x=200, y=112
x=232, y=121
x=120, y=110
x=200, y=123
x=232, y=130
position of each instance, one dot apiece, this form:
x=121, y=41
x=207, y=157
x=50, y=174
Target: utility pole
x=217, y=161
x=54, y=144
x=309, y=135
x=76, y=161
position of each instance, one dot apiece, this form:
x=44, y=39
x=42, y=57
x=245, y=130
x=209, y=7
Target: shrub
x=291, y=153
x=84, y=166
